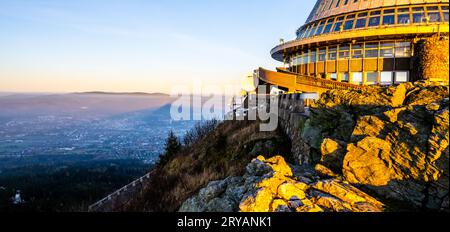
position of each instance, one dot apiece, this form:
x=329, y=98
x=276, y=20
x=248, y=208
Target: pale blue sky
x=138, y=45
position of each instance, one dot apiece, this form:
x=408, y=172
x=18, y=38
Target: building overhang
x=278, y=53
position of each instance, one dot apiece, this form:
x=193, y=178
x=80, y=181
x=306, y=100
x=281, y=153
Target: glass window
x=371, y=50
x=445, y=13
x=418, y=15
x=388, y=20
x=374, y=21
x=304, y=33
x=322, y=54
x=403, y=10
x=348, y=24
x=337, y=26
x=311, y=32
x=361, y=23
x=344, y=77
x=332, y=53
x=357, y=51
x=401, y=77
x=386, y=78
x=357, y=78
x=402, y=49
x=403, y=19
x=344, y=52
x=434, y=17
x=372, y=78
x=387, y=50
x=312, y=57
x=320, y=28
x=328, y=26
x=375, y=13
x=364, y=14
x=333, y=76
x=305, y=58
x=352, y=16
x=300, y=33
x=418, y=18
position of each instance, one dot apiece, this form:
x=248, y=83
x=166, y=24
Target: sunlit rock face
x=395, y=142
x=271, y=185
x=391, y=143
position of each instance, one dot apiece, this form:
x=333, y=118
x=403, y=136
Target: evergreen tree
x=172, y=147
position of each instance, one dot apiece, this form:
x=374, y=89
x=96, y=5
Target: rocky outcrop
x=393, y=141
x=271, y=185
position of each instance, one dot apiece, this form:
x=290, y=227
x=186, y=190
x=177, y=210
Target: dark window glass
x=432, y=8
x=374, y=21
x=417, y=9
x=418, y=18
x=403, y=10
x=446, y=16
x=328, y=28
x=375, y=12
x=387, y=44
x=388, y=20
x=340, y=18
x=362, y=14
x=352, y=16
x=389, y=11
x=337, y=26
x=311, y=33
x=319, y=30
x=322, y=54
x=312, y=57
x=360, y=23
x=371, y=53
x=357, y=46
x=332, y=52
x=434, y=17
x=344, y=54
x=300, y=32
x=444, y=8
x=349, y=25
x=357, y=53
x=346, y=2
x=403, y=19
x=371, y=45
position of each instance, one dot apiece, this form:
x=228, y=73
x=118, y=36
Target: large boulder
x=279, y=190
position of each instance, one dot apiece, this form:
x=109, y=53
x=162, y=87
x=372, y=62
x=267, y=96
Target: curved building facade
x=363, y=42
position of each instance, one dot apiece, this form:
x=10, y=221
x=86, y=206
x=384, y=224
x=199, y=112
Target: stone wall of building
x=432, y=59
x=293, y=116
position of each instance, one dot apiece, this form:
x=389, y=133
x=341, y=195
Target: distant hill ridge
x=123, y=93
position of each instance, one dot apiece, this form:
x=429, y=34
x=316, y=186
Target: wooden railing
x=111, y=199
x=293, y=81
x=327, y=84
